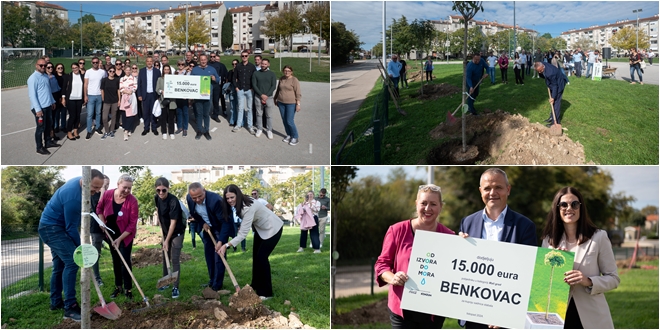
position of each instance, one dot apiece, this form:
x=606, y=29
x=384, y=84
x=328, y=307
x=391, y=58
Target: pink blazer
x=305, y=216
x=127, y=222
x=395, y=257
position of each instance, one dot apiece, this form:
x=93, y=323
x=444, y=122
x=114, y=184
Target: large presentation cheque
x=488, y=282
x=187, y=87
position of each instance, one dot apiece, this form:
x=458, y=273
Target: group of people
x=227, y=217
x=122, y=95
x=568, y=227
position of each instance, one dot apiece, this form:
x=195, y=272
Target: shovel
x=450, y=115
x=231, y=274
x=170, y=277
x=110, y=311
x=555, y=129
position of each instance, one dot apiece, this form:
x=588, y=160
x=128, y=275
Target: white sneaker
x=317, y=251
x=258, y=133
x=293, y=142
x=235, y=129
x=269, y=135
x=300, y=250
x=287, y=139
x=264, y=298
x=171, y=136
x=164, y=136
x=310, y=244
x=252, y=130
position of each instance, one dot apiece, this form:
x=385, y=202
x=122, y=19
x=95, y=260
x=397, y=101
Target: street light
x=637, y=11
x=71, y=49
x=446, y=44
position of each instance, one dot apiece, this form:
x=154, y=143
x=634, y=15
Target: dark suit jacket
x=554, y=79
x=67, y=84
x=142, y=81
x=517, y=228
x=214, y=207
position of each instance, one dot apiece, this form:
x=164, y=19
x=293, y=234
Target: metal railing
x=623, y=253
x=22, y=266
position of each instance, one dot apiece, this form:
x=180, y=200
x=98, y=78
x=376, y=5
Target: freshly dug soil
x=374, y=313
x=147, y=257
x=502, y=138
x=434, y=91
x=198, y=313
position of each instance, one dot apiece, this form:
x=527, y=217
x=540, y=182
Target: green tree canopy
x=627, y=38
x=227, y=36
x=198, y=31
x=343, y=43
x=51, y=32
x=284, y=24
x=16, y=23
x=318, y=18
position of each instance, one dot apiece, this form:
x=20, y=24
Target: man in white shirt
x=92, y=92
x=523, y=62
x=492, y=61
x=255, y=195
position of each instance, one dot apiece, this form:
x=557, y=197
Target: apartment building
x=44, y=8
x=268, y=175
x=600, y=34
x=155, y=22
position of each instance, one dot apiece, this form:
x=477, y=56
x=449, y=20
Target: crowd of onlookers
x=121, y=95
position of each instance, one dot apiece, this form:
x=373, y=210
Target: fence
x=21, y=259
x=18, y=65
x=622, y=253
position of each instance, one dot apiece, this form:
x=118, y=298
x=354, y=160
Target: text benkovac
x=480, y=293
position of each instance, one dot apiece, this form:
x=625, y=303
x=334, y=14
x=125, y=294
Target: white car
x=258, y=51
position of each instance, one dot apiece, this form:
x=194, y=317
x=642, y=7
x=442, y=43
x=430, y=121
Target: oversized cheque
x=497, y=283
x=187, y=87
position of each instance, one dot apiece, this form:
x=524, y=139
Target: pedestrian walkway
x=354, y=280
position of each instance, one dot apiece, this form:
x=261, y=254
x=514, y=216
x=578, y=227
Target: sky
x=640, y=182
x=554, y=17
x=104, y=10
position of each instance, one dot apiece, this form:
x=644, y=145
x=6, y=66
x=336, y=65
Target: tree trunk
x=463, y=119
x=85, y=276
x=547, y=308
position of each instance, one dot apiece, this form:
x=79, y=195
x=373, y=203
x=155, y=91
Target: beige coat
x=265, y=222
x=595, y=260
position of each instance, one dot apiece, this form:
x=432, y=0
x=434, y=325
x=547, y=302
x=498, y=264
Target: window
x=215, y=35
x=235, y=21
x=241, y=168
x=230, y=168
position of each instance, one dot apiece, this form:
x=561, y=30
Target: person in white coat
x=569, y=228
x=267, y=233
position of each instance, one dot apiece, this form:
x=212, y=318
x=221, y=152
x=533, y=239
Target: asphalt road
x=313, y=123
x=350, y=86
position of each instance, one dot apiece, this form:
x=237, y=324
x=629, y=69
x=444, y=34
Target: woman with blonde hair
x=287, y=99
x=392, y=264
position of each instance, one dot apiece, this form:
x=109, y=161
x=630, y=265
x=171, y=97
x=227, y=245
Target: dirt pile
x=374, y=313
x=198, y=313
x=147, y=257
x=434, y=91
x=145, y=237
x=502, y=138
x=418, y=76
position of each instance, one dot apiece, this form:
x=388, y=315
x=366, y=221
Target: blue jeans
x=236, y=226
x=214, y=265
x=202, y=115
x=193, y=231
x=632, y=73
x=470, y=101
x=288, y=111
x=94, y=104
x=244, y=107
x=42, y=133
x=64, y=268
x=491, y=73
x=182, y=114
x=589, y=68
x=233, y=98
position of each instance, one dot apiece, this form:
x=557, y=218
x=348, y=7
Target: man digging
x=556, y=83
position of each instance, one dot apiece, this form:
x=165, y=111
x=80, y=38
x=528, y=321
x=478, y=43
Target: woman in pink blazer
x=392, y=264
x=569, y=228
x=118, y=209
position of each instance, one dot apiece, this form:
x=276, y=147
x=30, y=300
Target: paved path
x=350, y=86
x=313, y=123
x=20, y=259
x=650, y=74
x=355, y=280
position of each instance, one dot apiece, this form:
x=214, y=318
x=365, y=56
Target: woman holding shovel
x=267, y=232
x=118, y=209
x=173, y=226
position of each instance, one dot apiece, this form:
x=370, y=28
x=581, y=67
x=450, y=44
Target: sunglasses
x=111, y=71
x=161, y=191
x=181, y=64
x=429, y=187
x=49, y=67
x=244, y=55
x=95, y=62
x=41, y=65
x=59, y=68
x=135, y=67
x=254, y=194
x=574, y=205
x=81, y=63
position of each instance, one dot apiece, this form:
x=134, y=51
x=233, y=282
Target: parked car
x=304, y=50
x=272, y=51
x=258, y=51
x=228, y=52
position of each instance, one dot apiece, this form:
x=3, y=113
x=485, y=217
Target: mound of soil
x=502, y=138
x=198, y=313
x=418, y=76
x=144, y=237
x=147, y=257
x=434, y=91
x=374, y=313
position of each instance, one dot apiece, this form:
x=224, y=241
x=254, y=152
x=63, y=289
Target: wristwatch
x=227, y=245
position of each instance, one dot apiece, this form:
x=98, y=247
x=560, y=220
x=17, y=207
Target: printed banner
x=488, y=282
x=187, y=87
x=598, y=72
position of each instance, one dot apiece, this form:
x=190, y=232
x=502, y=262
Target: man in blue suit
x=473, y=75
x=496, y=222
x=207, y=208
x=556, y=82
x=146, y=94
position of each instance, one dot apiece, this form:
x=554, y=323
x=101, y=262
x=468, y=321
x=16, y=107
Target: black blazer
x=215, y=208
x=67, y=84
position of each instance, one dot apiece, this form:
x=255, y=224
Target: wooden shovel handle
x=129, y=270
x=231, y=274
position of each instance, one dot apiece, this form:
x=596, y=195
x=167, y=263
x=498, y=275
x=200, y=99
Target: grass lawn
x=16, y=72
x=616, y=122
x=633, y=305
x=301, y=278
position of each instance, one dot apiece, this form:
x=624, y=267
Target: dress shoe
x=549, y=125
x=549, y=120
x=43, y=151
x=155, y=132
x=207, y=136
x=145, y=132
x=198, y=136
x=70, y=136
x=52, y=145
x=216, y=119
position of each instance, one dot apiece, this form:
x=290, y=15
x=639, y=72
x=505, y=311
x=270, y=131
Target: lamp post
x=637, y=11
x=71, y=49
x=533, y=38
x=446, y=44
